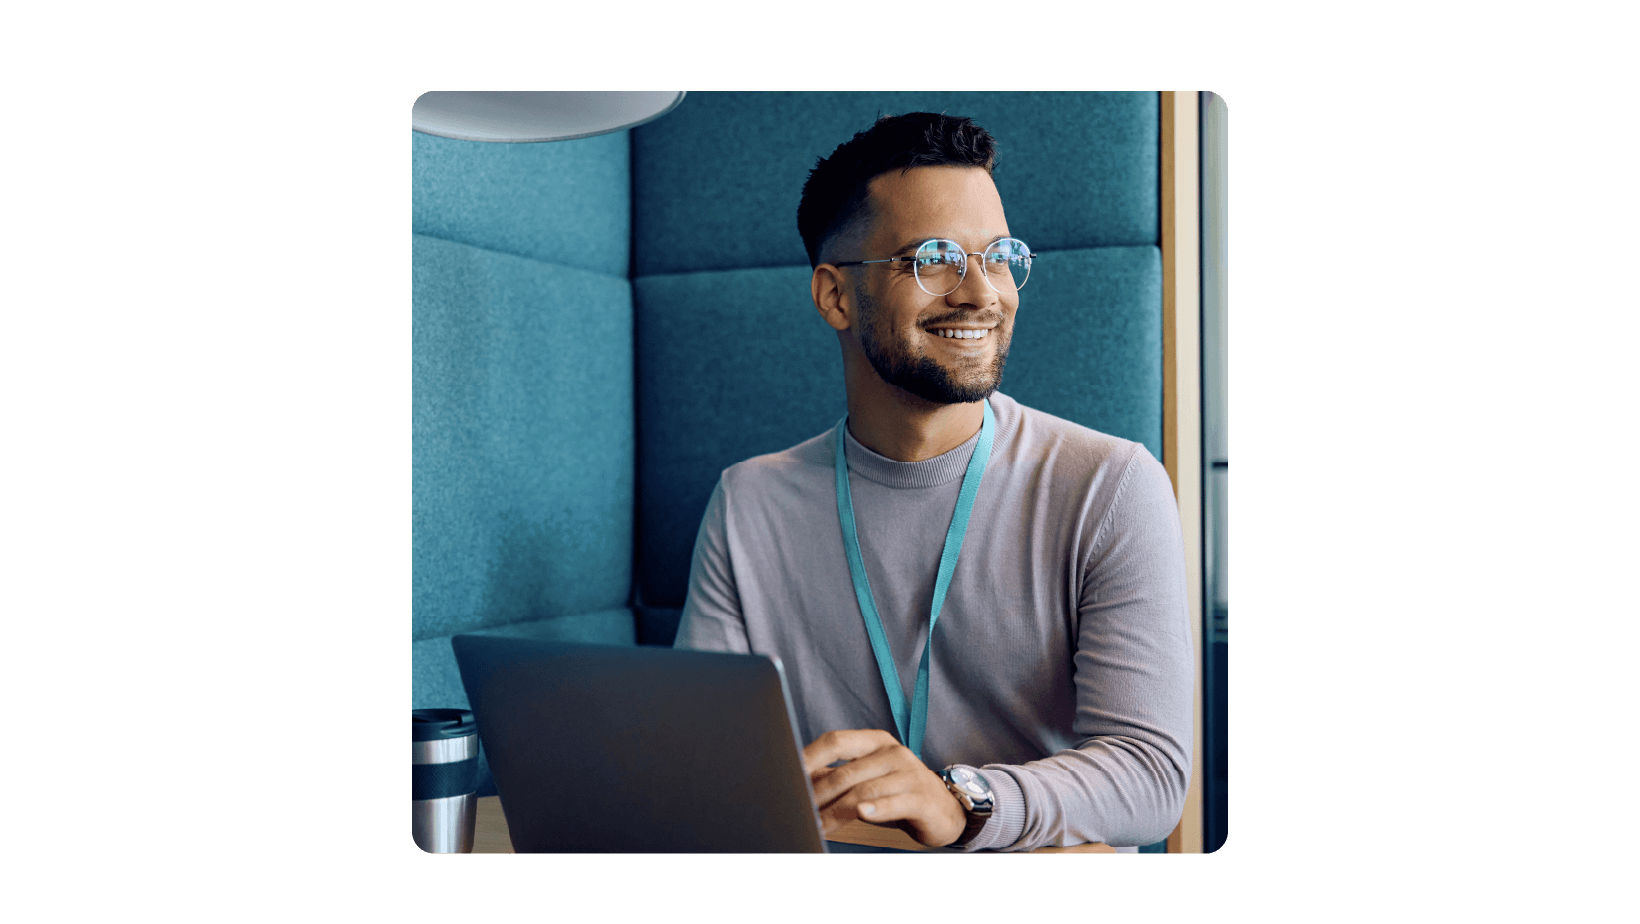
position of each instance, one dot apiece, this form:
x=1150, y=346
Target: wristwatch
x=975, y=796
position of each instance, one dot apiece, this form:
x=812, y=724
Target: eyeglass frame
x=962, y=273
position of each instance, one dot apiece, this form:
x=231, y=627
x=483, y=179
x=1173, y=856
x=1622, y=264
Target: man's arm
x=712, y=620
x=1124, y=782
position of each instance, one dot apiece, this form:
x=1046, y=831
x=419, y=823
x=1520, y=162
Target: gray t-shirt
x=1062, y=664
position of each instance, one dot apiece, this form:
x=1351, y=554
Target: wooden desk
x=490, y=834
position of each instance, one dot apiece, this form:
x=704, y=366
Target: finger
x=871, y=792
x=843, y=745
x=901, y=810
x=814, y=785
x=926, y=816
x=815, y=750
x=837, y=814
x=889, y=808
x=892, y=758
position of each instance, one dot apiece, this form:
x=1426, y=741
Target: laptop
x=598, y=748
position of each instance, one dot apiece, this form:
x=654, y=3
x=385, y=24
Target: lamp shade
x=532, y=116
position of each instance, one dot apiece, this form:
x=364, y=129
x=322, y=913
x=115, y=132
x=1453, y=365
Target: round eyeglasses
x=940, y=265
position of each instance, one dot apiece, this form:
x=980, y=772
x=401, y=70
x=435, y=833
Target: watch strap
x=976, y=824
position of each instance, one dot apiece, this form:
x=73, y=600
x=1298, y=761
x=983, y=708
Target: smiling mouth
x=960, y=333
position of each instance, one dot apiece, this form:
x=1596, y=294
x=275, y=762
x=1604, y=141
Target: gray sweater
x=1062, y=665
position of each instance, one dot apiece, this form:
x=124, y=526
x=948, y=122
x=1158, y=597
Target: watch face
x=972, y=791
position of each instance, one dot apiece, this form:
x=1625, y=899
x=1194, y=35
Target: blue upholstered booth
x=601, y=326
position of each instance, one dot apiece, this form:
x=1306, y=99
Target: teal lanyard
x=910, y=719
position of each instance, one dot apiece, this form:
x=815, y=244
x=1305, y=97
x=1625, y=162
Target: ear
x=831, y=296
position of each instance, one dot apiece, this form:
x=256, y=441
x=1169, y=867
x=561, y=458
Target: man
x=984, y=623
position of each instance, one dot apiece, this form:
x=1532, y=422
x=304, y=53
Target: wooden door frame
x=1181, y=394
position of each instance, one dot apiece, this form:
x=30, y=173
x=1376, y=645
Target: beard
x=905, y=365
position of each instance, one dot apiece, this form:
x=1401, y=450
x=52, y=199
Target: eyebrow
x=911, y=247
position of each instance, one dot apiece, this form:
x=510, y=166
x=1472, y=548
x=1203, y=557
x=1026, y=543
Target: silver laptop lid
x=632, y=749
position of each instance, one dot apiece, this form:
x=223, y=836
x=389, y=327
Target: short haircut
x=835, y=195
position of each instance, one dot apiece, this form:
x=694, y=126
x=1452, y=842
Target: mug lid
x=435, y=724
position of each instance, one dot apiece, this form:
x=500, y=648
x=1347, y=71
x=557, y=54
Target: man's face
x=906, y=333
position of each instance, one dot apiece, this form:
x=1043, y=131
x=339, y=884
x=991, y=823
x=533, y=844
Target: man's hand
x=882, y=783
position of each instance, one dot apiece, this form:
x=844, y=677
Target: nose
x=974, y=289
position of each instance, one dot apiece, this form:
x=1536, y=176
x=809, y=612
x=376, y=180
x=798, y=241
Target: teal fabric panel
x=523, y=439
x=567, y=202
x=436, y=679
x=730, y=365
x=737, y=363
x=1087, y=341
x=716, y=182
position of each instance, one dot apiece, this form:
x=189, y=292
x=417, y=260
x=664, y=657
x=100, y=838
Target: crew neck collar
x=927, y=473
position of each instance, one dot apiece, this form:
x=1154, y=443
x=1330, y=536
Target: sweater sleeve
x=1124, y=781
x=712, y=619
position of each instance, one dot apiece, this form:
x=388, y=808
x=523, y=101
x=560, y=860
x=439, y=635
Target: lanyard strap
x=909, y=719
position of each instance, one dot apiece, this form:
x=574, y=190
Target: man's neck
x=894, y=423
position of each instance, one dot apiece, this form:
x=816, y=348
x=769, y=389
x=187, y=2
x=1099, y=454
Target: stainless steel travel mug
x=443, y=779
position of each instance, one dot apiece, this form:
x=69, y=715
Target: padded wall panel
x=1087, y=341
x=563, y=201
x=523, y=451
x=716, y=182
x=730, y=365
x=438, y=680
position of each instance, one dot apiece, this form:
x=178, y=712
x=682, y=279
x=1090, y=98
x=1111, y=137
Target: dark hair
x=835, y=193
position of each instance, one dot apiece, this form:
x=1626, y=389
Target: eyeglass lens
x=941, y=265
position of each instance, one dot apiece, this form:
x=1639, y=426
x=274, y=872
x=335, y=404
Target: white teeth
x=961, y=334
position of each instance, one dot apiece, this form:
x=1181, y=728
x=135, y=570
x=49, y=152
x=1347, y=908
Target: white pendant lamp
x=520, y=117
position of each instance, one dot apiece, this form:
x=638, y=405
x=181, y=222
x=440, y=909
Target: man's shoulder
x=1039, y=434
x=807, y=461
x=1105, y=479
